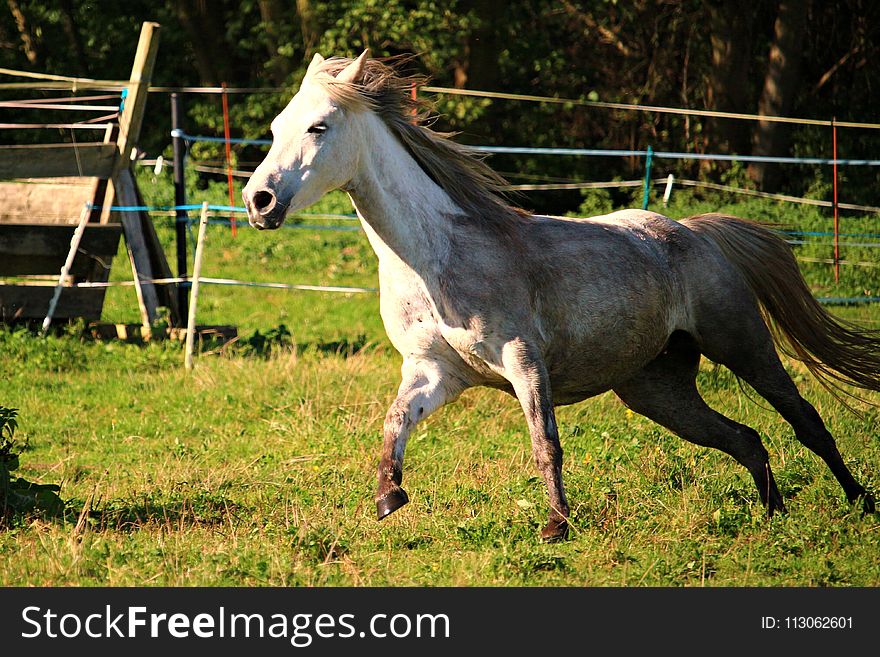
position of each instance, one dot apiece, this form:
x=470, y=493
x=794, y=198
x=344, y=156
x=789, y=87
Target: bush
x=19, y=496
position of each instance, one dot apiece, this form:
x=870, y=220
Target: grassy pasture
x=259, y=468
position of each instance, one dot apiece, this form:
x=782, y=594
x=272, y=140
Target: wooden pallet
x=49, y=187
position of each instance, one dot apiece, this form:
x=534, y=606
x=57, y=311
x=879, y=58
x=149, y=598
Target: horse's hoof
x=555, y=530
x=775, y=506
x=867, y=500
x=868, y=504
x=390, y=502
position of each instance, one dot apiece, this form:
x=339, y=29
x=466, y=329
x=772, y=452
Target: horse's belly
x=570, y=390
x=582, y=369
x=583, y=380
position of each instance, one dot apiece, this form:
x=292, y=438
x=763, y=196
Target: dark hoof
x=773, y=502
x=868, y=503
x=775, y=506
x=390, y=502
x=556, y=530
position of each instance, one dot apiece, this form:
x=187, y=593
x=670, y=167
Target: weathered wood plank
x=139, y=254
x=57, y=160
x=165, y=293
x=138, y=88
x=45, y=200
x=20, y=302
x=29, y=249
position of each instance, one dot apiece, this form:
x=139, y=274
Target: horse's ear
x=354, y=72
x=317, y=60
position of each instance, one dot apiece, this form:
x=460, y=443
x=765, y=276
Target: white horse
x=552, y=310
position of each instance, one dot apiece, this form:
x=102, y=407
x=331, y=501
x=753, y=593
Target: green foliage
x=8, y=425
x=609, y=51
x=56, y=354
x=596, y=202
x=162, y=323
x=19, y=496
x=434, y=30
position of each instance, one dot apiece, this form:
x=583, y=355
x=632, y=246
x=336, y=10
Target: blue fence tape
x=812, y=233
x=167, y=208
x=672, y=155
x=189, y=221
x=214, y=208
x=352, y=217
x=227, y=222
x=846, y=301
x=601, y=152
x=222, y=140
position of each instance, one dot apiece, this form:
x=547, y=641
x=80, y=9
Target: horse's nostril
x=263, y=199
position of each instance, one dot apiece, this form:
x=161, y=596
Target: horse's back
x=630, y=261
x=637, y=252
x=615, y=287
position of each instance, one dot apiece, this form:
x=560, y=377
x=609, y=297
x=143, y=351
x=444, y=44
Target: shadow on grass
x=65, y=352
x=119, y=515
x=280, y=339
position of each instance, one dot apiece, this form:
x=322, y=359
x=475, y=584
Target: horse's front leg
x=528, y=376
x=423, y=390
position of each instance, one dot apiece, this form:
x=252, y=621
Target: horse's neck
x=405, y=214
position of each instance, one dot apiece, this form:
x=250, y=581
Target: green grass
x=259, y=469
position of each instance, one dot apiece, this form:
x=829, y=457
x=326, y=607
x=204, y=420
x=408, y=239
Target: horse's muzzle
x=264, y=210
x=261, y=223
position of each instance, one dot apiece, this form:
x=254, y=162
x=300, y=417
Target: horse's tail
x=834, y=350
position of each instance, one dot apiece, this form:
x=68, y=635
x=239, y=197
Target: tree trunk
x=479, y=70
x=308, y=26
x=727, y=90
x=780, y=88
x=28, y=41
x=73, y=38
x=207, y=40
x=276, y=25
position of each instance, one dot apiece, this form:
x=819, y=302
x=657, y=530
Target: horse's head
x=314, y=147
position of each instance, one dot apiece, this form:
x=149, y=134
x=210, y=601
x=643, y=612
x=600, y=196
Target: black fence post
x=182, y=218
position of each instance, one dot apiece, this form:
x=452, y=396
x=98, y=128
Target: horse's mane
x=458, y=169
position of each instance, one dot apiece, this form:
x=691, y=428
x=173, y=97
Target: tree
x=478, y=66
x=684, y=53
x=727, y=84
x=28, y=40
x=206, y=38
x=278, y=22
x=780, y=87
x=71, y=30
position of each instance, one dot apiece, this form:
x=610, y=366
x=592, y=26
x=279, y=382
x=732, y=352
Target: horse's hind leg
x=665, y=391
x=759, y=365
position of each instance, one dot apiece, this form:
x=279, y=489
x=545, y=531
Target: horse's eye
x=318, y=128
